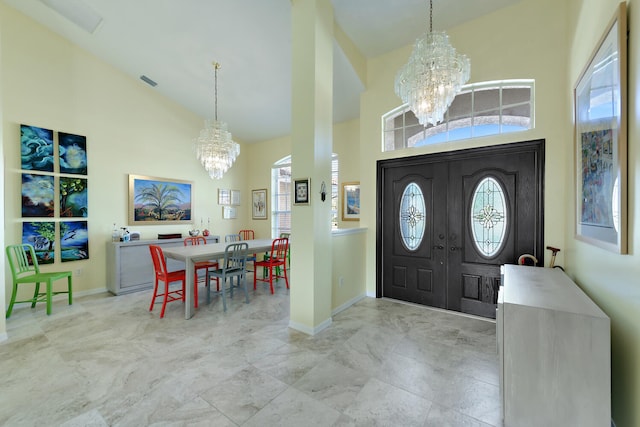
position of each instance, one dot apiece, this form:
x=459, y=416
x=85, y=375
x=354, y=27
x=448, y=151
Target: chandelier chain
x=431, y=16
x=216, y=66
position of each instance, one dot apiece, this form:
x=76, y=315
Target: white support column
x=312, y=138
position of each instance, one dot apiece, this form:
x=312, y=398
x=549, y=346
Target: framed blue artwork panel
x=42, y=236
x=37, y=195
x=74, y=240
x=36, y=148
x=73, y=197
x=73, y=153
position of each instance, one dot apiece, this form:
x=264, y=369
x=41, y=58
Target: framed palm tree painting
x=159, y=201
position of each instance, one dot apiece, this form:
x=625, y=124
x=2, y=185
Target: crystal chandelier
x=433, y=76
x=215, y=147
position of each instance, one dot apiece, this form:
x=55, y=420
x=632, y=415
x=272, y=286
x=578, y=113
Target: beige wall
x=610, y=280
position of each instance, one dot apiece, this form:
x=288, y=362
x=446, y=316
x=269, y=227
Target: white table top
x=192, y=254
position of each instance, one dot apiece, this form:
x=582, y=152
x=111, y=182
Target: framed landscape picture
x=37, y=195
x=42, y=236
x=159, y=200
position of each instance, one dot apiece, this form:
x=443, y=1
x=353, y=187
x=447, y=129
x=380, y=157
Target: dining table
x=192, y=254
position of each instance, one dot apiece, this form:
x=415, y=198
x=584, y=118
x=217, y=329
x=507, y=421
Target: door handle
x=455, y=248
x=438, y=246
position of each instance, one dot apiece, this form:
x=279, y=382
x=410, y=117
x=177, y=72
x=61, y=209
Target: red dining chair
x=162, y=274
x=249, y=235
x=201, y=265
x=277, y=259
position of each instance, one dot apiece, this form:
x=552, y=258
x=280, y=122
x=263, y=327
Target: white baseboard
x=309, y=330
x=4, y=337
x=348, y=304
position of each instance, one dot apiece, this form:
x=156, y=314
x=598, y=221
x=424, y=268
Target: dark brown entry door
x=464, y=214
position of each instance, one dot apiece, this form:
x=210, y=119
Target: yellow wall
x=610, y=280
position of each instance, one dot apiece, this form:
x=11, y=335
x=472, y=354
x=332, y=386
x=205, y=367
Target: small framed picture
x=350, y=201
x=224, y=196
x=259, y=204
x=301, y=191
x=235, y=197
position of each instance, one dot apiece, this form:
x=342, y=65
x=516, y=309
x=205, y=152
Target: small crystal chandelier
x=215, y=147
x=432, y=78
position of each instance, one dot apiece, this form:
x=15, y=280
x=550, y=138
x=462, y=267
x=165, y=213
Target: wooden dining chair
x=277, y=259
x=201, y=265
x=234, y=265
x=25, y=269
x=163, y=275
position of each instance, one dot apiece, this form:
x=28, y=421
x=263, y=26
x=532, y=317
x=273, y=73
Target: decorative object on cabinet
x=259, y=204
x=72, y=150
x=23, y=263
x=159, y=200
x=350, y=201
x=73, y=197
x=36, y=148
x=42, y=236
x=301, y=191
x=601, y=141
x=37, y=195
x=74, y=240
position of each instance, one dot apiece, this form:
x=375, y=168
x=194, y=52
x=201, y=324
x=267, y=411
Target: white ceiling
x=174, y=42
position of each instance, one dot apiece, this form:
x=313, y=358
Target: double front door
x=448, y=221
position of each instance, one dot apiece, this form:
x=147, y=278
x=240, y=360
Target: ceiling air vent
x=148, y=81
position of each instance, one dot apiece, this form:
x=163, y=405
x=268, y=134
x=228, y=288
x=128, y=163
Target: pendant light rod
x=216, y=67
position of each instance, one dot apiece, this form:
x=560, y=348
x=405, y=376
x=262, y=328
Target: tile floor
x=108, y=361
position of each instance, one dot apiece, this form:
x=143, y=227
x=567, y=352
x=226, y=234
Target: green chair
x=25, y=269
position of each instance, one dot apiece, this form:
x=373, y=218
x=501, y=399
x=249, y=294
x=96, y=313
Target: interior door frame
x=537, y=146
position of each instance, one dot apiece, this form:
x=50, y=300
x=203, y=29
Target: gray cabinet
x=554, y=348
x=129, y=266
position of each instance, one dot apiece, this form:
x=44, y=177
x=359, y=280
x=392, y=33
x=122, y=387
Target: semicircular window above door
x=412, y=216
x=488, y=217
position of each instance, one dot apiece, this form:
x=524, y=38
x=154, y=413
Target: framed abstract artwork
x=601, y=141
x=37, y=195
x=42, y=236
x=351, y=201
x=159, y=200
x=259, y=204
x=74, y=241
x=301, y=191
x=72, y=151
x=36, y=148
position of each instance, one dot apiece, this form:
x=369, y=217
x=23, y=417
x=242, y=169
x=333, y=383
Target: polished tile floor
x=108, y=361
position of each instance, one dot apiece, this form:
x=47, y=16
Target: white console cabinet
x=554, y=347
x=129, y=265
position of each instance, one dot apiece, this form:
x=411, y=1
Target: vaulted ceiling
x=174, y=42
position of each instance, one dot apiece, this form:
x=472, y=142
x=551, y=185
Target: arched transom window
x=480, y=109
